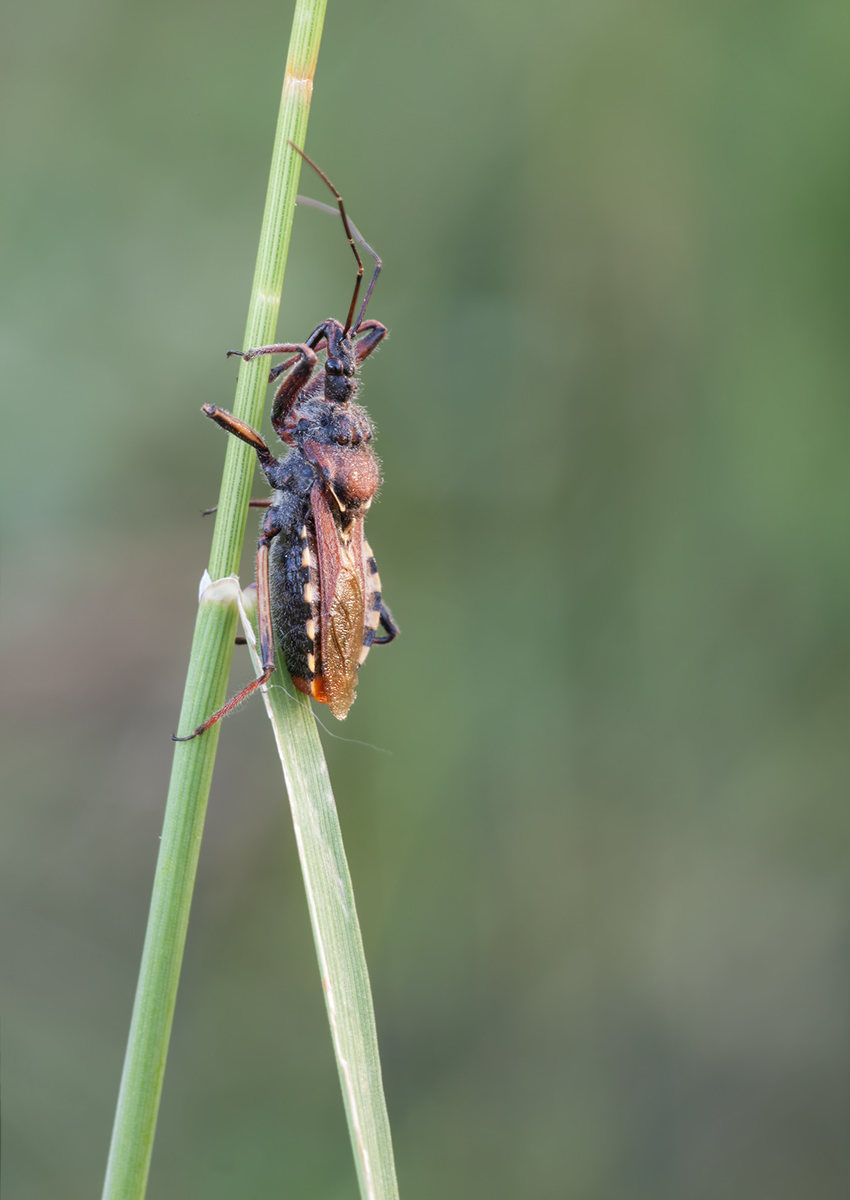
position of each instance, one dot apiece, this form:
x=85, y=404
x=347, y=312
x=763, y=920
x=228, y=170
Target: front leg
x=294, y=383
x=364, y=346
x=313, y=340
x=241, y=430
x=268, y=463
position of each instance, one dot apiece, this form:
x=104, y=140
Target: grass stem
x=212, y=647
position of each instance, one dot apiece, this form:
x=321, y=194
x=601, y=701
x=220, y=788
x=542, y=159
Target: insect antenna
x=334, y=212
x=351, y=232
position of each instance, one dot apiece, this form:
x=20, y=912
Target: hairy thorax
x=352, y=473
x=337, y=441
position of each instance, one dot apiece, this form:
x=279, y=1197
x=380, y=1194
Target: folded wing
x=343, y=590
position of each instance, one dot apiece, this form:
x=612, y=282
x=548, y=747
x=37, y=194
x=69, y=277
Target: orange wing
x=342, y=603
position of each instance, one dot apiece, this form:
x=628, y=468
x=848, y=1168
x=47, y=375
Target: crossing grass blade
x=336, y=930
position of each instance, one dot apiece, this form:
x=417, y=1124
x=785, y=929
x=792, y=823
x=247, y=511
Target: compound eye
x=333, y=366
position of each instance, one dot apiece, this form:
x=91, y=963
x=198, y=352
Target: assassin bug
x=317, y=582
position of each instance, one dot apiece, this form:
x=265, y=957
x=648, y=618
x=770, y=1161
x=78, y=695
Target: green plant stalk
x=336, y=930
x=212, y=649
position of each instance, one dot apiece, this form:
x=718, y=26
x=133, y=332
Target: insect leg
x=260, y=503
x=364, y=346
x=290, y=388
x=314, y=341
x=270, y=530
x=300, y=349
x=305, y=352
x=241, y=430
x=388, y=624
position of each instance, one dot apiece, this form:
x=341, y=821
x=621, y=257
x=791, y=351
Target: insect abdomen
x=373, y=599
x=296, y=598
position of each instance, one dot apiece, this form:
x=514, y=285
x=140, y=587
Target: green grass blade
x=212, y=648
x=336, y=930
x=268, y=281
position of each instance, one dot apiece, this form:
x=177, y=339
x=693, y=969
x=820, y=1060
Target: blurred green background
x=601, y=869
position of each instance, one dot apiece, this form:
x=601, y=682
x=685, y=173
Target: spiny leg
x=298, y=349
x=295, y=382
x=313, y=341
x=304, y=358
x=243, y=431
